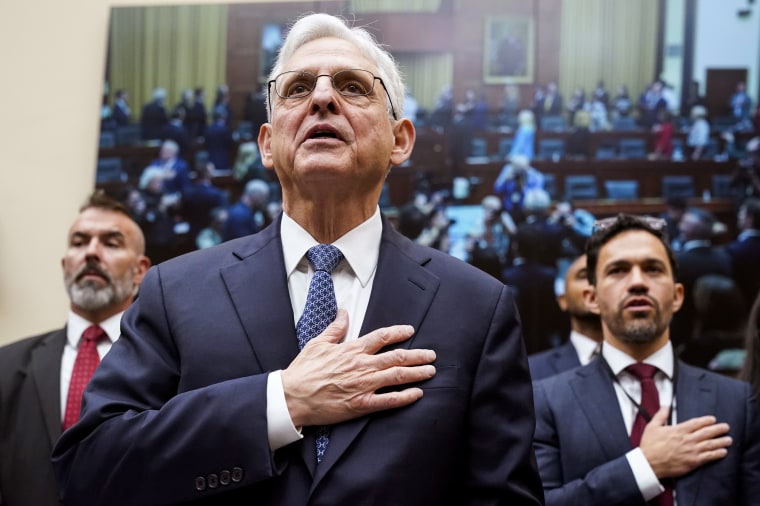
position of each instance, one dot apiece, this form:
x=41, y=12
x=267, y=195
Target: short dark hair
x=99, y=199
x=605, y=230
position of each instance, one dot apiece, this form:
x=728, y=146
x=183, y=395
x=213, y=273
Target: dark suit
x=581, y=440
x=30, y=418
x=180, y=399
x=152, y=120
x=554, y=361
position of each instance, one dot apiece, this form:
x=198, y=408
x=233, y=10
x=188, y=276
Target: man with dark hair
x=745, y=250
x=585, y=339
x=637, y=425
x=40, y=378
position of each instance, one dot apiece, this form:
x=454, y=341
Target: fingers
x=337, y=329
x=661, y=417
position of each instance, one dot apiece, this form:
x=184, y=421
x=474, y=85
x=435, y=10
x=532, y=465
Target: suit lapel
x=695, y=396
x=258, y=288
x=596, y=397
x=402, y=292
x=46, y=373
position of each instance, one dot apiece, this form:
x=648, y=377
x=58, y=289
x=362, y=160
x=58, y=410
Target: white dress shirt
x=585, y=347
x=74, y=329
x=353, y=278
x=662, y=359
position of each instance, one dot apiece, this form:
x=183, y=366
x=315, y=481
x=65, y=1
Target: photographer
x=513, y=182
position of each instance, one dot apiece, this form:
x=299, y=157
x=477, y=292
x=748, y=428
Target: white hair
x=317, y=26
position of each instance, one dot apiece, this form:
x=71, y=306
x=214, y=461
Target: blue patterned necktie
x=320, y=311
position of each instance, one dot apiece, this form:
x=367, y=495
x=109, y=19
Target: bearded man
x=42, y=377
x=637, y=426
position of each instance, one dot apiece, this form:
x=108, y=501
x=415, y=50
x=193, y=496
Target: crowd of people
x=320, y=354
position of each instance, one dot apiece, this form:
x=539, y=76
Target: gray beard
x=91, y=297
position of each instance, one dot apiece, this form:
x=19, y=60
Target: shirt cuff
x=280, y=429
x=646, y=480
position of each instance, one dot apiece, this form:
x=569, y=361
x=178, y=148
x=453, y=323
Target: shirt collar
x=584, y=346
x=619, y=360
x=360, y=246
x=77, y=325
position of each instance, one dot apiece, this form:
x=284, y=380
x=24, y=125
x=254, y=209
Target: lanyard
x=643, y=412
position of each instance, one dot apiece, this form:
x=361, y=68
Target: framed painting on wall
x=508, y=50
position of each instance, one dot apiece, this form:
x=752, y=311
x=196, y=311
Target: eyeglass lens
x=351, y=83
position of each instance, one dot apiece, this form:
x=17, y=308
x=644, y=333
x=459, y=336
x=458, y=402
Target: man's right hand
x=332, y=381
x=674, y=450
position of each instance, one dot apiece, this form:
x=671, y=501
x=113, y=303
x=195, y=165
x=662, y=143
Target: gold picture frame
x=508, y=52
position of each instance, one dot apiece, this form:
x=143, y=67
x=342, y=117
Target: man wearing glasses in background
x=417, y=391
x=637, y=425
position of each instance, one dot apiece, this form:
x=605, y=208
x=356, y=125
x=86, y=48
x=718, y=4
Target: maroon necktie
x=84, y=366
x=650, y=403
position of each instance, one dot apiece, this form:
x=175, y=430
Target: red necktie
x=650, y=403
x=84, y=366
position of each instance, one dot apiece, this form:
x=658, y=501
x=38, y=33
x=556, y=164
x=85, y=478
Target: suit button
x=225, y=477
x=200, y=483
x=213, y=480
x=237, y=474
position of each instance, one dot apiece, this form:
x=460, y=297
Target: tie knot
x=94, y=334
x=324, y=257
x=642, y=371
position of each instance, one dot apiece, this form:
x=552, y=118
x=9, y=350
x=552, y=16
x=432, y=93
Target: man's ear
x=589, y=297
x=678, y=295
x=404, y=135
x=562, y=302
x=265, y=145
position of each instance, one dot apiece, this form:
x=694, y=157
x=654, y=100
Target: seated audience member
x=154, y=116
x=697, y=258
x=200, y=197
x=745, y=250
x=622, y=106
x=122, y=114
x=750, y=371
x=219, y=142
x=699, y=133
x=212, y=234
x=720, y=315
x=175, y=131
x=606, y=433
x=492, y=231
x=249, y=214
x=515, y=179
x=524, y=141
x=173, y=169
x=600, y=93
x=585, y=328
x=533, y=284
x=579, y=139
x=42, y=377
x=597, y=110
x=577, y=102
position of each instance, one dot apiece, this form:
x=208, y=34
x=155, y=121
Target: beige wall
x=52, y=55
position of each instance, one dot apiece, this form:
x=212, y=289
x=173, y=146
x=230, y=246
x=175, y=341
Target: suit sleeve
x=139, y=441
x=609, y=483
x=501, y=457
x=750, y=466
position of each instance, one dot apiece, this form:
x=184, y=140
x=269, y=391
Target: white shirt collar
x=360, y=246
x=584, y=346
x=77, y=325
x=619, y=360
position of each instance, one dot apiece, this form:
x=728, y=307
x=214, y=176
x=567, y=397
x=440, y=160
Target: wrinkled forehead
x=328, y=55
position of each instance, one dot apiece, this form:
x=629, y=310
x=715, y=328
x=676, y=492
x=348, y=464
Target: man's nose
x=323, y=94
x=637, y=278
x=93, y=248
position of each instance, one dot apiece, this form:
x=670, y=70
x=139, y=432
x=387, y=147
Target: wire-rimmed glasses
x=347, y=82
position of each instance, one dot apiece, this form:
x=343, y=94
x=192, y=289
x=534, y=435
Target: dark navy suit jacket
x=179, y=403
x=30, y=418
x=554, y=361
x=581, y=440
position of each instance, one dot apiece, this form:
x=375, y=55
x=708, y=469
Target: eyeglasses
x=347, y=82
x=649, y=221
